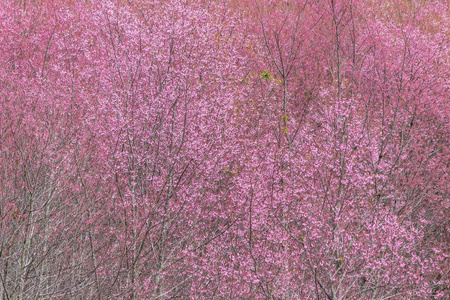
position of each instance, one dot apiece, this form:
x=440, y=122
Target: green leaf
x=265, y=74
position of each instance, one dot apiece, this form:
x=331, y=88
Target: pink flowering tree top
x=224, y=149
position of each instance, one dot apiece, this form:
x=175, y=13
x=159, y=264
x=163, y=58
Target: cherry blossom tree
x=224, y=149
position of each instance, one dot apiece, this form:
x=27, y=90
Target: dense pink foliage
x=224, y=150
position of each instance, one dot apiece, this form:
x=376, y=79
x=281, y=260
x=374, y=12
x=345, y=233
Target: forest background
x=251, y=149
